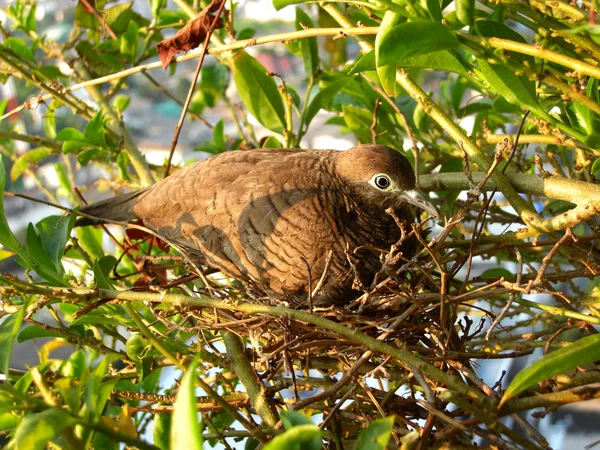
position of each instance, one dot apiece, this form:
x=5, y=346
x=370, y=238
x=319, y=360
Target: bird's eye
x=381, y=181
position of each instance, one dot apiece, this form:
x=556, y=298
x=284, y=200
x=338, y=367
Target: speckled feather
x=268, y=215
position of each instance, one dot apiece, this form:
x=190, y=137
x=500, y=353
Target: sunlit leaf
x=186, y=432
x=308, y=46
x=36, y=430
x=294, y=438
x=323, y=97
x=413, y=39
x=8, y=332
x=28, y=159
x=376, y=435
x=584, y=351
x=259, y=92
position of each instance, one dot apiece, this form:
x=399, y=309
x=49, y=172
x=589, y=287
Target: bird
x=284, y=220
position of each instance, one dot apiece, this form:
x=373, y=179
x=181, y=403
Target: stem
x=404, y=358
x=559, y=188
x=32, y=139
x=220, y=49
x=301, y=132
x=245, y=372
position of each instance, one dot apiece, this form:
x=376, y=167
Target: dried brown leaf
x=191, y=35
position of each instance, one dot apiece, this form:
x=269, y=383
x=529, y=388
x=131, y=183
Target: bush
x=510, y=116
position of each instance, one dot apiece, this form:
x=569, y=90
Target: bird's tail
x=119, y=208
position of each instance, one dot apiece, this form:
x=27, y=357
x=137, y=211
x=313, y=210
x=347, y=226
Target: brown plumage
x=269, y=215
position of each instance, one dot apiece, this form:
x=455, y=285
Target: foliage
x=457, y=81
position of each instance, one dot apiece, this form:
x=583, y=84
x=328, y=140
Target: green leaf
x=102, y=269
x=596, y=166
x=272, y=142
x=129, y=42
x=23, y=383
x=497, y=273
x=515, y=89
x=120, y=16
x=7, y=238
x=490, y=28
x=3, y=104
x=359, y=120
x=434, y=9
x=171, y=18
x=27, y=159
x=123, y=166
x=73, y=139
x=94, y=131
x=9, y=421
x=251, y=444
x=218, y=144
x=97, y=392
x=278, y=4
x=30, y=22
x=387, y=72
x=157, y=7
x=33, y=332
x=19, y=48
x=219, y=135
x=212, y=84
x=221, y=421
x=364, y=64
x=442, y=60
x=160, y=430
x=376, y=435
x=37, y=430
x=54, y=232
x=70, y=134
x=90, y=240
x=556, y=207
x=308, y=47
x=292, y=419
x=185, y=426
x=293, y=438
x=75, y=366
x=413, y=39
x=258, y=92
x=50, y=121
x=121, y=102
x=584, y=351
x=44, y=265
x=8, y=332
x=587, y=119
x=323, y=97
x=92, y=154
x=465, y=11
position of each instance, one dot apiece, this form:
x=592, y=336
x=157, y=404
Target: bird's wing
x=257, y=215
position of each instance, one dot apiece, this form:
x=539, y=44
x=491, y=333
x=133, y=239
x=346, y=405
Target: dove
x=286, y=220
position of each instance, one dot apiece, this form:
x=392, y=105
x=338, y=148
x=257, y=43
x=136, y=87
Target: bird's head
x=382, y=176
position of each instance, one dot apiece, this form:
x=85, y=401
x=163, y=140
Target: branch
x=245, y=372
x=585, y=195
x=280, y=37
x=405, y=358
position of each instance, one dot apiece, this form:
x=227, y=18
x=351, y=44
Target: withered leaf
x=191, y=35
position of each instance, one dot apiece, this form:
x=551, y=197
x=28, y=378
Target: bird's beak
x=417, y=198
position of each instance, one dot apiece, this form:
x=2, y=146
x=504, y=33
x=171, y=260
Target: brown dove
x=269, y=216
